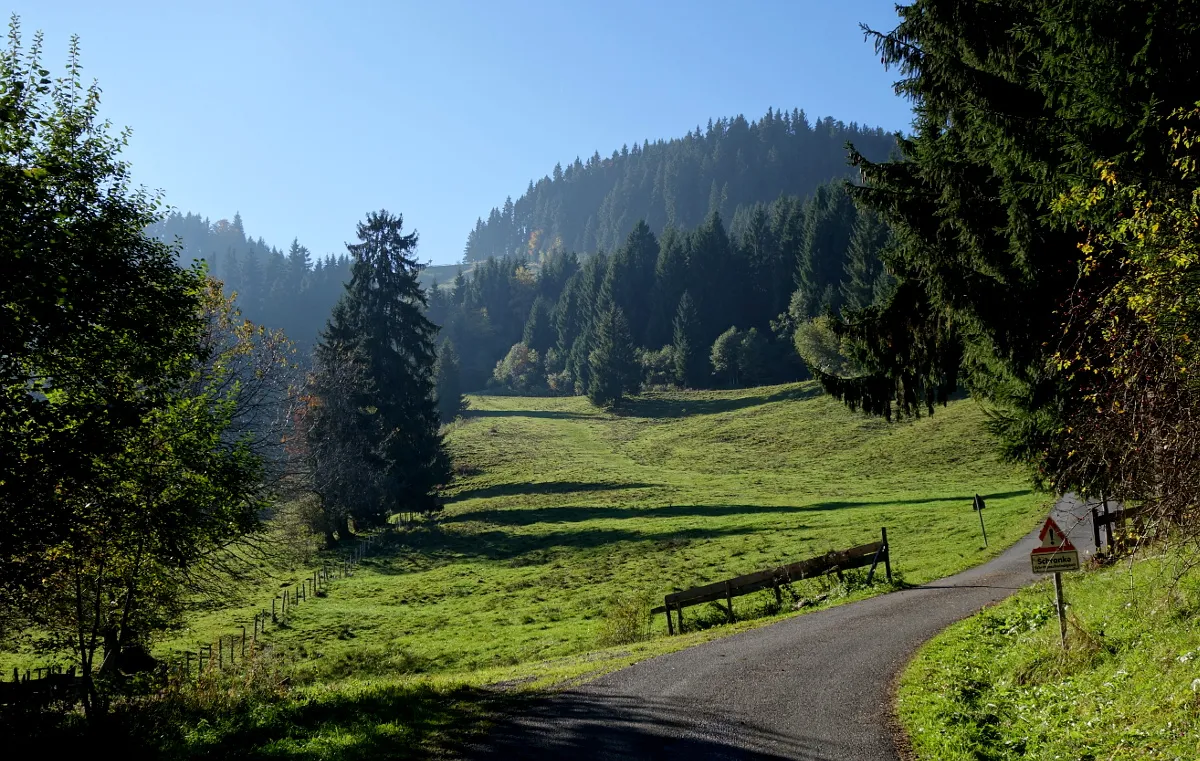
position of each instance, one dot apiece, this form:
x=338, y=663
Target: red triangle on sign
x=1053, y=538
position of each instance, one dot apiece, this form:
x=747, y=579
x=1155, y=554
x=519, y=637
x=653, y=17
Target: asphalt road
x=812, y=687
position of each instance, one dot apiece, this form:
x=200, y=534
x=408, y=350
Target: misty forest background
x=745, y=224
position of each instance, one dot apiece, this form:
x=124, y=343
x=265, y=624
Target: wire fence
x=49, y=683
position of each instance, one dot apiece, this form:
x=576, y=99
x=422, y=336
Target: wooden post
x=984, y=531
x=243, y=642
x=887, y=556
x=679, y=612
x=187, y=664
x=220, y=653
x=667, y=610
x=1096, y=529
x=729, y=600
x=1108, y=532
x=1061, y=606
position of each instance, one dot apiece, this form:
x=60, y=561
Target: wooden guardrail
x=773, y=578
x=1106, y=520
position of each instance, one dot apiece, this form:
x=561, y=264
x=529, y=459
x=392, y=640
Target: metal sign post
x=978, y=506
x=1055, y=555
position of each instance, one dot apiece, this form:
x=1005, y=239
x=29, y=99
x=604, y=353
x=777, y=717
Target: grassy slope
x=997, y=686
x=570, y=506
x=566, y=507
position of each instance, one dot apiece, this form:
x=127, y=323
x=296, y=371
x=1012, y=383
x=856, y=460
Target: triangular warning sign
x=1053, y=538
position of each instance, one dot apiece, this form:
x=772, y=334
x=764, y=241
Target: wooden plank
x=854, y=557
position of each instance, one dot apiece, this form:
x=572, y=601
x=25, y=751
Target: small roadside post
x=1055, y=555
x=978, y=506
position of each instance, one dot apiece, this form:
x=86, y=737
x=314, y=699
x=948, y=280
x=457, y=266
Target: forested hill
x=290, y=290
x=593, y=205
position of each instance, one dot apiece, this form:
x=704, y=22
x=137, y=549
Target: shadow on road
x=584, y=727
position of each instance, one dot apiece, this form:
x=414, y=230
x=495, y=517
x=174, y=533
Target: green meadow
x=563, y=509
x=566, y=523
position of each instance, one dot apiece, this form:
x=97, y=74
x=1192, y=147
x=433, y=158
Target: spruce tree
x=865, y=280
x=709, y=276
x=539, y=333
x=448, y=383
x=613, y=361
x=630, y=277
x=689, y=347
x=670, y=281
x=725, y=354
x=380, y=318
x=829, y=218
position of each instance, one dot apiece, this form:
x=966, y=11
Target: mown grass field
x=998, y=685
x=563, y=509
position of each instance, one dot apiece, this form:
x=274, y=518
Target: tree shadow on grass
x=544, y=414
x=418, y=721
x=660, y=407
x=380, y=721
x=432, y=545
x=544, y=487
x=528, y=516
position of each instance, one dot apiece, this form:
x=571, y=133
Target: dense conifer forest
x=773, y=242
x=726, y=167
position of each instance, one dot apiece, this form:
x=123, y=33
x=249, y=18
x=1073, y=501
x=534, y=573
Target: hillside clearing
x=565, y=507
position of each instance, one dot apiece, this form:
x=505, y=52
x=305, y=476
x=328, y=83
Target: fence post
x=220, y=653
x=1108, y=532
x=243, y=642
x=667, y=610
x=887, y=556
x=729, y=600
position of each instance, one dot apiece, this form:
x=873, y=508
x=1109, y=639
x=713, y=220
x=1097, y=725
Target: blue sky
x=304, y=115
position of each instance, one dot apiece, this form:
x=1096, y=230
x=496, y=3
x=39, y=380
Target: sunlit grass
x=998, y=685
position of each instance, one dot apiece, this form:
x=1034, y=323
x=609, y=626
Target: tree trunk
x=343, y=527
x=109, y=661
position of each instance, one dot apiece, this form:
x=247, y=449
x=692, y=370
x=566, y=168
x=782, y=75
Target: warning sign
x=1056, y=553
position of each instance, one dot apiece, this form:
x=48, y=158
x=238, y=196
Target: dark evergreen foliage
x=380, y=325
x=451, y=403
x=593, y=205
x=292, y=291
x=1015, y=103
x=614, y=365
x=690, y=359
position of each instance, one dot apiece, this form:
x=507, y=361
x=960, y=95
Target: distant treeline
x=288, y=290
x=593, y=205
x=657, y=306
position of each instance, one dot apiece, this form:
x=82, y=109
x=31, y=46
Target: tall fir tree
x=448, y=383
x=381, y=319
x=670, y=281
x=631, y=276
x=613, y=361
x=866, y=281
x=539, y=333
x=690, y=348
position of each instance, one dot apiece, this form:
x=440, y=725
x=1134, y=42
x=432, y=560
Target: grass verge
x=999, y=686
